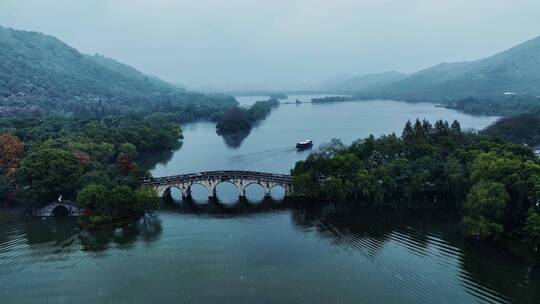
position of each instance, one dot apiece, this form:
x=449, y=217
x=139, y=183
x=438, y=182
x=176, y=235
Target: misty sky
x=278, y=43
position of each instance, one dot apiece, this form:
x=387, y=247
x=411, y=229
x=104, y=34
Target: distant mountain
x=329, y=84
x=42, y=74
x=364, y=82
x=181, y=86
x=128, y=71
x=516, y=70
x=133, y=73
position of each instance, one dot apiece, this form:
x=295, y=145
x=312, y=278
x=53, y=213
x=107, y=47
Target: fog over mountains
x=39, y=73
x=278, y=44
x=516, y=70
x=363, y=82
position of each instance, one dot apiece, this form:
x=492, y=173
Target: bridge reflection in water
x=217, y=207
x=211, y=179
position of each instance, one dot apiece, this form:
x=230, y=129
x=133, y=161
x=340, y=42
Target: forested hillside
x=128, y=71
x=521, y=129
x=40, y=74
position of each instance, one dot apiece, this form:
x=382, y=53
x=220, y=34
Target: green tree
x=332, y=188
x=122, y=201
x=128, y=149
x=532, y=229
x=45, y=174
x=93, y=196
x=441, y=128
x=418, y=130
x=518, y=177
x=7, y=185
x=480, y=228
x=484, y=210
x=408, y=133
x=146, y=199
x=456, y=127
x=305, y=185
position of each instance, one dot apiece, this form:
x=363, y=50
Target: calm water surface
x=270, y=146
x=261, y=251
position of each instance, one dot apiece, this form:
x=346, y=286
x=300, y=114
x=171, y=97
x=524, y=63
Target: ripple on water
x=397, y=256
x=268, y=248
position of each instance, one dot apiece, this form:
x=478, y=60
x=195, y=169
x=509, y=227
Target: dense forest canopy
x=504, y=105
x=495, y=185
x=88, y=160
x=520, y=129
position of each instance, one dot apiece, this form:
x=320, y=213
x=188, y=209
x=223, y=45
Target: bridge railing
x=222, y=174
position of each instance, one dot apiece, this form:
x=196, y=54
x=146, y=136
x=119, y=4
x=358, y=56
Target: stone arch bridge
x=59, y=208
x=210, y=180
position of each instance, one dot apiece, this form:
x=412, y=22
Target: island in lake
x=329, y=99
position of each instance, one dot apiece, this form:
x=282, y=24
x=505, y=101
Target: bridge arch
x=257, y=184
x=60, y=211
x=170, y=195
x=197, y=187
x=226, y=187
x=283, y=189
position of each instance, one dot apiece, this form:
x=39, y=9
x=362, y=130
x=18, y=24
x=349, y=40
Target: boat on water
x=306, y=144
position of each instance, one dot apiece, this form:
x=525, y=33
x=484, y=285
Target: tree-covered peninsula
x=520, y=129
x=89, y=161
x=330, y=99
x=238, y=119
x=495, y=186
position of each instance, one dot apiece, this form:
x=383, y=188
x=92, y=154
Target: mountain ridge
x=367, y=81
x=40, y=71
x=516, y=70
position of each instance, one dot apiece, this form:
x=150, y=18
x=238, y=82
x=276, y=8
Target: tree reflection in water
x=147, y=229
x=484, y=271
x=65, y=236
x=149, y=160
x=234, y=140
x=422, y=248
x=363, y=229
x=60, y=234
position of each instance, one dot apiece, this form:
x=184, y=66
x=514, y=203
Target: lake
x=265, y=251
x=271, y=145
